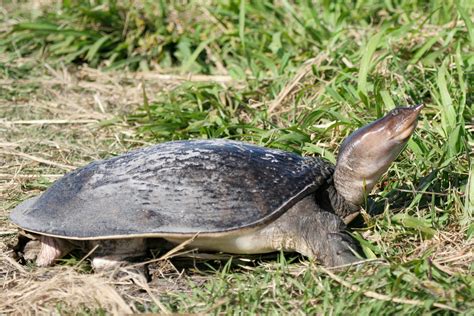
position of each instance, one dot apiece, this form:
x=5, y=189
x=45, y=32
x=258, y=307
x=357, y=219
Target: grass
x=295, y=76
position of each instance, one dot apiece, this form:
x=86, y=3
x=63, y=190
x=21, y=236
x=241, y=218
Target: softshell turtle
x=230, y=196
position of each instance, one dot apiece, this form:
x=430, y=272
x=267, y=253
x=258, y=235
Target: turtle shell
x=182, y=187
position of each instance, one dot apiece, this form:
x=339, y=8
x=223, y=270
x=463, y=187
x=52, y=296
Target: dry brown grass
x=48, y=126
x=44, y=290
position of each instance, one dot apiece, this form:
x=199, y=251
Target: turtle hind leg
x=116, y=255
x=109, y=254
x=51, y=250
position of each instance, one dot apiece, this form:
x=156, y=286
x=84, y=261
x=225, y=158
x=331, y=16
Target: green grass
x=370, y=56
x=283, y=288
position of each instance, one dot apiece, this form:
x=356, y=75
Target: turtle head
x=368, y=152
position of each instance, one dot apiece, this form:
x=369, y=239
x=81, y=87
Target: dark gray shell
x=182, y=187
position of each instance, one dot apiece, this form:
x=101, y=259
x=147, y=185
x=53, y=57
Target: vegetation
x=300, y=76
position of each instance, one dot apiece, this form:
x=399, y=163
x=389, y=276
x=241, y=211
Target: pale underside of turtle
x=229, y=196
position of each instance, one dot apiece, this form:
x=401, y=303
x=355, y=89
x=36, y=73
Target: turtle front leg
x=324, y=237
x=113, y=253
x=314, y=233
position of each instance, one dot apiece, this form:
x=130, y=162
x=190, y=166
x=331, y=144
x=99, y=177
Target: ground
x=57, y=116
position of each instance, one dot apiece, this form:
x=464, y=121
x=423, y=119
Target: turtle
x=220, y=195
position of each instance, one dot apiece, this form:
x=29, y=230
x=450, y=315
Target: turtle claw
x=343, y=249
x=31, y=250
x=139, y=274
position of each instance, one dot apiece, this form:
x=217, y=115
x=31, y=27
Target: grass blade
x=416, y=223
x=366, y=62
x=468, y=21
x=242, y=22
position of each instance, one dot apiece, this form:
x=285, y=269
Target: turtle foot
x=341, y=250
x=107, y=263
x=31, y=250
x=121, y=268
x=43, y=250
x=325, y=239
